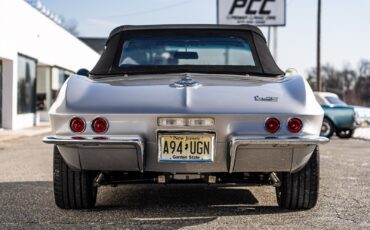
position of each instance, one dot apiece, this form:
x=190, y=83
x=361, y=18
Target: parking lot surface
x=26, y=197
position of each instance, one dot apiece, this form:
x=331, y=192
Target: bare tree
x=312, y=78
x=331, y=80
x=362, y=90
x=362, y=86
x=351, y=85
x=71, y=26
x=348, y=77
x=364, y=68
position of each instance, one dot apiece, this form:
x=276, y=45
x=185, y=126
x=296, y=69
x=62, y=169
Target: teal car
x=339, y=117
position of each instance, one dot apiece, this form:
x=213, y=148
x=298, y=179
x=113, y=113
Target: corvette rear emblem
x=269, y=99
x=185, y=82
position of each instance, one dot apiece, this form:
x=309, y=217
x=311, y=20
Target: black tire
x=72, y=189
x=300, y=190
x=345, y=133
x=327, y=128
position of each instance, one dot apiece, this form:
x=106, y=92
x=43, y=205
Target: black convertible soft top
x=108, y=62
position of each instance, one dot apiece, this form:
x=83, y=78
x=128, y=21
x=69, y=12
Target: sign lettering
x=253, y=12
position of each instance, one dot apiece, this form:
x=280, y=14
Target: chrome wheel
x=327, y=129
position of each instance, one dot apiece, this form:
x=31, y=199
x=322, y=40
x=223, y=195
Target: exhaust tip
x=274, y=180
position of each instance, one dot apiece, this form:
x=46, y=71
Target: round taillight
x=99, y=125
x=77, y=125
x=295, y=125
x=272, y=125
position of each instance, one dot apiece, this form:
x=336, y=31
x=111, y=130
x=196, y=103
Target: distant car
x=339, y=117
x=186, y=104
x=362, y=115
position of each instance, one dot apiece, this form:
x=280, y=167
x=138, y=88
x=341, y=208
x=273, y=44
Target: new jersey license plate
x=186, y=147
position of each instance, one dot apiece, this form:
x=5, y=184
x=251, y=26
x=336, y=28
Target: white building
x=36, y=56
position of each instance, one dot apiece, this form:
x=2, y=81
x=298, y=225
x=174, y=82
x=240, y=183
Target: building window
x=26, y=85
x=43, y=87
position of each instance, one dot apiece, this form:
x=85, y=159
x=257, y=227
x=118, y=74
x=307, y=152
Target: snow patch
x=362, y=133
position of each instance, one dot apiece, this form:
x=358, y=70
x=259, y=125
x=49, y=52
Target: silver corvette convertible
x=186, y=104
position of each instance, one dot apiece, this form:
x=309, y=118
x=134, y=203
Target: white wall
x=25, y=30
x=8, y=93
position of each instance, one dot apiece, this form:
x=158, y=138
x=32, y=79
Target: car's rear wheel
x=300, y=190
x=72, y=189
x=327, y=128
x=345, y=133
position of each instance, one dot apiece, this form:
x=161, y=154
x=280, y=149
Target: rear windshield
x=335, y=101
x=161, y=51
x=186, y=50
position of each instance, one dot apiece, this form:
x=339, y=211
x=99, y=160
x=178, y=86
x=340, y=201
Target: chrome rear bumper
x=135, y=141
x=240, y=154
x=270, y=143
x=308, y=140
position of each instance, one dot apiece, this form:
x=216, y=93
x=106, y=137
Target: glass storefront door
x=26, y=85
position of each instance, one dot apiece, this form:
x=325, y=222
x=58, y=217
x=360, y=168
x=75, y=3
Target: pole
x=268, y=36
x=318, y=51
x=217, y=17
x=275, y=43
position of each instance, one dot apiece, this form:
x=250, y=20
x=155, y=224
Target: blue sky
x=345, y=25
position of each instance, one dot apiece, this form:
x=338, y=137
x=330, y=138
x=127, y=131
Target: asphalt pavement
x=26, y=197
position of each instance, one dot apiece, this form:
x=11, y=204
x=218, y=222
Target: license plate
x=186, y=147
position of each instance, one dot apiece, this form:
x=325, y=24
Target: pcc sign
x=253, y=12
